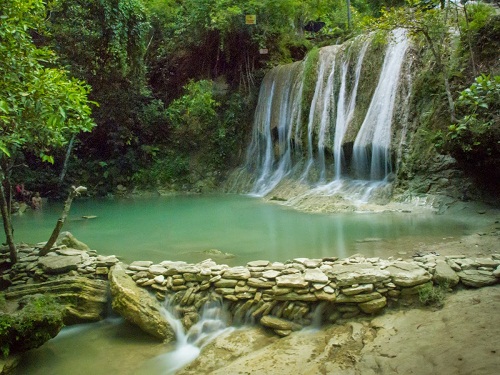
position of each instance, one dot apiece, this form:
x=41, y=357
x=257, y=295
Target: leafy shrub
x=478, y=130
x=194, y=113
x=433, y=295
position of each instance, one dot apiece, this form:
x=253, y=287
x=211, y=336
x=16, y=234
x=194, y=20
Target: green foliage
x=477, y=16
x=478, y=131
x=103, y=40
x=194, y=114
x=39, y=320
x=40, y=106
x=167, y=168
x=433, y=295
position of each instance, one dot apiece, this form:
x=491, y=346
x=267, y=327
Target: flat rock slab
x=295, y=280
x=444, y=274
x=55, y=264
x=315, y=275
x=238, y=273
x=362, y=273
x=408, y=274
x=70, y=252
x=280, y=324
x=476, y=279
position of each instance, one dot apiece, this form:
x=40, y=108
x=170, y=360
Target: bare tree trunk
x=7, y=223
x=444, y=70
x=469, y=41
x=60, y=222
x=66, y=159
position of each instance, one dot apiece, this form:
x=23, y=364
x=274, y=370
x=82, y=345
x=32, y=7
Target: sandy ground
x=463, y=337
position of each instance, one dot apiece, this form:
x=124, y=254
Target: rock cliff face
x=138, y=305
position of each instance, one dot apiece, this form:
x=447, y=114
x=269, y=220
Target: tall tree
x=40, y=105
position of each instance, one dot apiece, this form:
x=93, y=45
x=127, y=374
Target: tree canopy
x=41, y=106
x=155, y=65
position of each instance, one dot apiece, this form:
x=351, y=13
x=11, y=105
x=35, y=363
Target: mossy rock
x=38, y=319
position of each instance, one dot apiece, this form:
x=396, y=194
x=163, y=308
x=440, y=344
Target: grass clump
x=433, y=295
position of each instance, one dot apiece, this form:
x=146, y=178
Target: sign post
x=250, y=19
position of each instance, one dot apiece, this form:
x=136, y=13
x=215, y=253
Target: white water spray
x=371, y=151
x=277, y=151
x=213, y=322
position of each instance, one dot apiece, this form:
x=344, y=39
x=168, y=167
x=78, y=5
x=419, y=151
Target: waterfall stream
x=375, y=132
x=213, y=322
x=344, y=145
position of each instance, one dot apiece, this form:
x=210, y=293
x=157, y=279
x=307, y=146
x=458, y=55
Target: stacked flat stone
x=290, y=295
x=61, y=261
x=471, y=272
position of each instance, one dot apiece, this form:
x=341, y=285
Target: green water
x=182, y=228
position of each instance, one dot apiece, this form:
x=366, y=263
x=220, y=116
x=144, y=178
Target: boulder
x=137, y=305
x=445, y=275
x=84, y=299
x=37, y=319
x=66, y=238
x=55, y=264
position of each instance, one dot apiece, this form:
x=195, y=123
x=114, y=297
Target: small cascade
x=213, y=322
x=343, y=145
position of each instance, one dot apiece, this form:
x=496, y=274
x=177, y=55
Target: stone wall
x=287, y=296
x=283, y=296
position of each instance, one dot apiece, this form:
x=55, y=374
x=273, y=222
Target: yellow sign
x=250, y=19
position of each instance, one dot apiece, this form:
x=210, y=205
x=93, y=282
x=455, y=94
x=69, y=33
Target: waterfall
x=347, y=146
x=320, y=107
x=344, y=116
x=375, y=132
x=277, y=114
x=213, y=322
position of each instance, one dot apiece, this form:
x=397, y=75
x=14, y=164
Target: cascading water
x=347, y=146
x=278, y=113
x=345, y=115
x=213, y=322
x=375, y=132
x=320, y=108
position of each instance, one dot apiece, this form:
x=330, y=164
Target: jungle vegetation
x=171, y=84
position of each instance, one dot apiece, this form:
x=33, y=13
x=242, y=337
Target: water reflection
x=182, y=228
